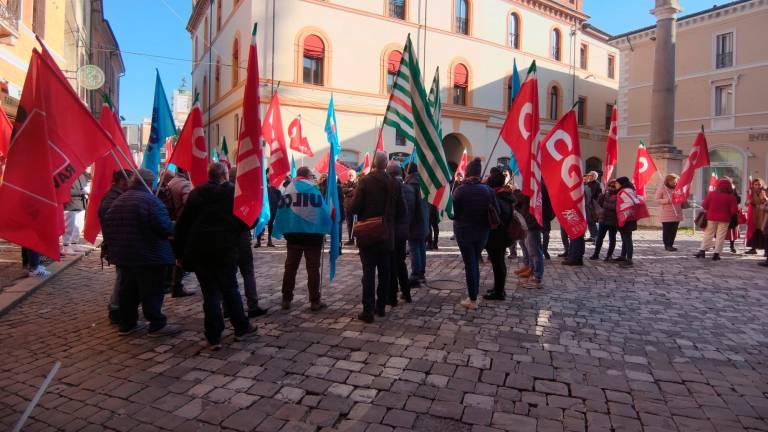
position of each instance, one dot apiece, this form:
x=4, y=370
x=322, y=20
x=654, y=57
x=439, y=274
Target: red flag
x=462, y=168
x=611, y=148
x=30, y=210
x=322, y=165
x=697, y=158
x=342, y=171
x=521, y=131
x=380, y=141
x=630, y=207
x=190, y=152
x=298, y=143
x=712, y=182
x=103, y=169
x=367, y=163
x=249, y=184
x=168, y=149
x=645, y=168
x=561, y=171
x=5, y=134
x=272, y=131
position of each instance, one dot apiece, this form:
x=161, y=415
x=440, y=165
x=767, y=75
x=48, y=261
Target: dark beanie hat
x=475, y=168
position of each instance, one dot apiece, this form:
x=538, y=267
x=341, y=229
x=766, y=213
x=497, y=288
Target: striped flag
x=410, y=112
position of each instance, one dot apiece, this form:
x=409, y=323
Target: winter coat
x=522, y=205
x=669, y=211
x=404, y=222
x=207, y=232
x=179, y=188
x=607, y=203
x=138, y=227
x=547, y=212
x=418, y=208
x=719, y=204
x=592, y=192
x=372, y=196
x=106, y=202
x=470, y=209
x=78, y=195
x=758, y=202
x=498, y=238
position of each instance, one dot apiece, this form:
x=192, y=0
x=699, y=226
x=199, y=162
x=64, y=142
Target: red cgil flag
x=462, y=168
x=645, y=169
x=30, y=208
x=521, y=133
x=103, y=169
x=713, y=182
x=299, y=142
x=611, y=148
x=380, y=141
x=367, y=163
x=630, y=207
x=697, y=158
x=560, y=157
x=249, y=184
x=272, y=131
x=190, y=152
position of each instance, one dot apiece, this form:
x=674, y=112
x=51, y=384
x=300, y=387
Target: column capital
x=666, y=9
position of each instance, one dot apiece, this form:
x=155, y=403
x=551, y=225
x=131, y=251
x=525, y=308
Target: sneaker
x=125, y=331
x=167, y=330
x=68, y=251
x=40, y=272
x=314, y=307
x=252, y=331
x=214, y=347
x=366, y=317
x=256, y=312
x=469, y=304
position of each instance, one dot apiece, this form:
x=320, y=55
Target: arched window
x=235, y=61
x=556, y=42
x=218, y=15
x=396, y=9
x=205, y=93
x=217, y=80
x=725, y=161
x=460, y=84
x=514, y=30
x=206, y=36
x=314, y=56
x=462, y=16
x=393, y=65
x=554, y=103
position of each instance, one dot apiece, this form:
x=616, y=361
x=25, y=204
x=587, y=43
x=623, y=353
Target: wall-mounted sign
x=91, y=77
x=758, y=137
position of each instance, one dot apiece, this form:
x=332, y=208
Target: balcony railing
x=397, y=9
x=9, y=18
x=724, y=60
x=461, y=25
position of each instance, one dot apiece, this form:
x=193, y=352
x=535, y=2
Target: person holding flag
x=629, y=209
x=670, y=213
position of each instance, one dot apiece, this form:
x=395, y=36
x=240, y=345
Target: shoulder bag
x=375, y=230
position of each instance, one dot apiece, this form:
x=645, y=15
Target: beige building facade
x=350, y=48
x=721, y=84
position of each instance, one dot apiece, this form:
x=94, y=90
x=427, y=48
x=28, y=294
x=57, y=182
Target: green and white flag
x=410, y=112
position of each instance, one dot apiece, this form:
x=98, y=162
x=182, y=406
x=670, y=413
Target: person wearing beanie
x=472, y=202
x=721, y=205
x=498, y=239
x=627, y=245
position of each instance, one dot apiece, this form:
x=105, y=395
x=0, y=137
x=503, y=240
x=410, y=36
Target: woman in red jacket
x=720, y=206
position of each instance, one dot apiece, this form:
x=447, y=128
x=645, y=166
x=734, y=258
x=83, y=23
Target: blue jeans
x=526, y=255
x=418, y=251
x=470, y=252
x=535, y=253
x=627, y=248
x=611, y=231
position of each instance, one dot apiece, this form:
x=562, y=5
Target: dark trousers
x=29, y=259
x=245, y=264
x=219, y=284
x=611, y=231
x=375, y=259
x=399, y=273
x=627, y=249
x=576, y=249
x=350, y=224
x=669, y=233
x=142, y=285
x=593, y=229
x=470, y=254
x=270, y=224
x=292, y=261
x=566, y=241
x=434, y=234
x=499, y=265
x=545, y=243
x=175, y=278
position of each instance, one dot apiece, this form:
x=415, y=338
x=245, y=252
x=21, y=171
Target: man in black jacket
x=207, y=237
x=119, y=185
x=377, y=195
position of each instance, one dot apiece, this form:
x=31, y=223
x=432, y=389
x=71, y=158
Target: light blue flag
x=263, y=219
x=302, y=209
x=163, y=127
x=332, y=194
x=513, y=167
x=293, y=167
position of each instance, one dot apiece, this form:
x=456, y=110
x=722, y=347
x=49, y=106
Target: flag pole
x=322, y=263
x=135, y=171
x=492, y=150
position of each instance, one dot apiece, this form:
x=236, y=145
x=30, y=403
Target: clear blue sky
x=157, y=27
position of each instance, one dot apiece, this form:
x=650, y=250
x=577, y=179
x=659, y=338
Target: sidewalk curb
x=15, y=294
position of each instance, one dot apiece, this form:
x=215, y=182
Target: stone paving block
x=513, y=422
x=244, y=420
x=451, y=410
x=399, y=418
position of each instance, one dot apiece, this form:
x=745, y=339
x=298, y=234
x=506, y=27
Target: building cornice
x=197, y=13
x=553, y=9
x=707, y=16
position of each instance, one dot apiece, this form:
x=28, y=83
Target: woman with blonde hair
x=757, y=216
x=671, y=214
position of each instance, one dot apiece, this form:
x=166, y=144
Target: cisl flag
x=462, y=168
x=521, y=131
x=272, y=132
x=645, y=168
x=611, y=148
x=191, y=152
x=560, y=155
x=299, y=142
x=249, y=184
x=698, y=158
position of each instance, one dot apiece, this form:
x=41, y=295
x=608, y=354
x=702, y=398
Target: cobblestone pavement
x=673, y=344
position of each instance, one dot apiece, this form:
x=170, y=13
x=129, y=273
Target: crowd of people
x=155, y=238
